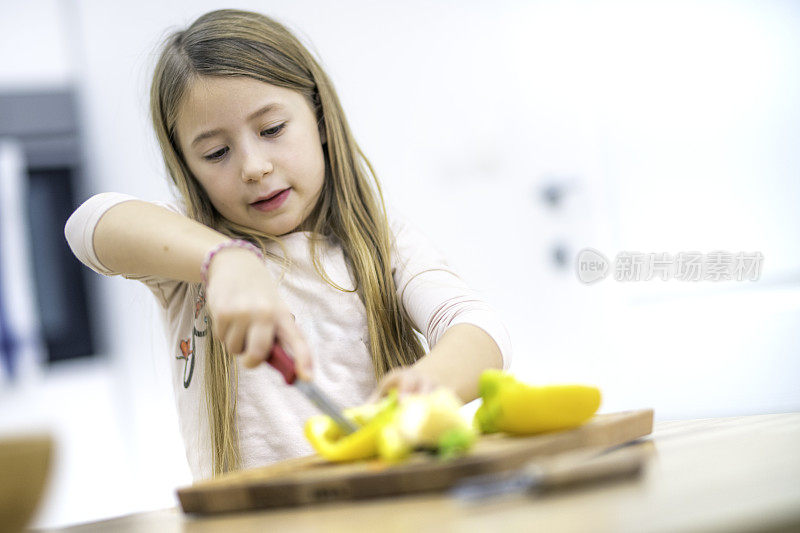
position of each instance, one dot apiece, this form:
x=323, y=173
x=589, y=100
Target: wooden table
x=721, y=474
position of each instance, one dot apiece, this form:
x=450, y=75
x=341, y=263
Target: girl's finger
x=235, y=338
x=410, y=384
x=429, y=387
x=292, y=340
x=260, y=338
x=383, y=386
x=219, y=325
x=376, y=395
x=389, y=381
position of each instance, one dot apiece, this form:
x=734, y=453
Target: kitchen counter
x=718, y=474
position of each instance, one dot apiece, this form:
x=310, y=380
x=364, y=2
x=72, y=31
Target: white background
x=671, y=126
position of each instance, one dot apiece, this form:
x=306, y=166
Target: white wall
x=672, y=126
x=36, y=33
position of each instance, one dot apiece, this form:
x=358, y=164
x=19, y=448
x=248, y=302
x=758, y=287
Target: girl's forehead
x=215, y=100
x=233, y=92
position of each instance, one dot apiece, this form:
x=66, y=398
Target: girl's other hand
x=407, y=380
x=247, y=313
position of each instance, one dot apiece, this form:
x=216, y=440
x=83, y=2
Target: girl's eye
x=273, y=131
x=216, y=155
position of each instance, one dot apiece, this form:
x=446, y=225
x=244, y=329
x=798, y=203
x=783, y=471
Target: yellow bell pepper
x=328, y=439
x=515, y=407
x=393, y=429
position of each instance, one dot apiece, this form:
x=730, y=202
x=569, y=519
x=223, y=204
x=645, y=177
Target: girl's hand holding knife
x=247, y=313
x=250, y=318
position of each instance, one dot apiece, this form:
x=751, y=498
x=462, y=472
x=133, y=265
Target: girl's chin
x=278, y=227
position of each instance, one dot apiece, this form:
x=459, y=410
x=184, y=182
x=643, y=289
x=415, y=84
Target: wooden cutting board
x=311, y=479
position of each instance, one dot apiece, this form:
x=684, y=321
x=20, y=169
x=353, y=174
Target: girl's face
x=256, y=150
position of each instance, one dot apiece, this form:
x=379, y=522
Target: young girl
x=281, y=237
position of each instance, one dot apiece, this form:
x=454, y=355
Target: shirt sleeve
x=79, y=232
x=434, y=296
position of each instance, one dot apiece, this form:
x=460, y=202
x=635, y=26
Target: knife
x=576, y=469
x=284, y=364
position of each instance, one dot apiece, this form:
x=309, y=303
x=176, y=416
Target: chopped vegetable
x=392, y=446
x=456, y=442
x=392, y=429
x=329, y=440
x=424, y=418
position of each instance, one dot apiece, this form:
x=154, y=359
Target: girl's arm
x=463, y=352
x=143, y=239
x=465, y=333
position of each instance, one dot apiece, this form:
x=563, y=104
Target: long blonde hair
x=350, y=208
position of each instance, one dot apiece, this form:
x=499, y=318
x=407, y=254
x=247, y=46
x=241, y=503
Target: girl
x=281, y=238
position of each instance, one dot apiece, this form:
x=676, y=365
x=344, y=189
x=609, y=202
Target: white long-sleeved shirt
x=270, y=415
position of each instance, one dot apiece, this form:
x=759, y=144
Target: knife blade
x=284, y=364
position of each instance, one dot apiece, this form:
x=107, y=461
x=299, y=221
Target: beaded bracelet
x=238, y=243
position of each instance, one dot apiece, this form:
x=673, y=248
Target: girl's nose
x=256, y=166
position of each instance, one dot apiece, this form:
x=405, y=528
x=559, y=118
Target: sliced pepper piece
x=392, y=446
x=392, y=429
x=329, y=441
x=424, y=418
x=422, y=421
x=515, y=407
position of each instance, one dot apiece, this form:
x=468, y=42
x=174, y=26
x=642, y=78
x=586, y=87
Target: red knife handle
x=281, y=361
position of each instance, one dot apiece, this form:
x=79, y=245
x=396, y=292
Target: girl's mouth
x=273, y=202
